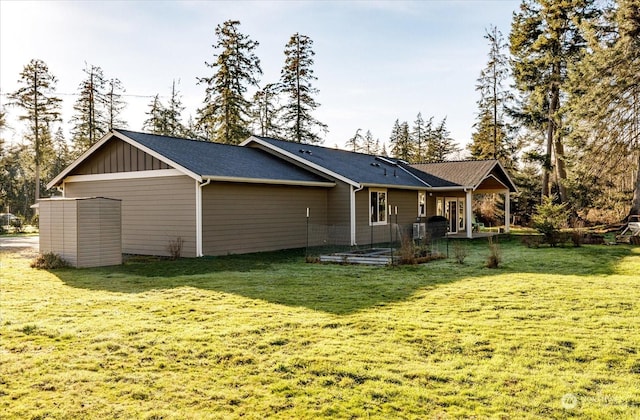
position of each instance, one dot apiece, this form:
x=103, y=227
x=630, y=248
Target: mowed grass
x=552, y=333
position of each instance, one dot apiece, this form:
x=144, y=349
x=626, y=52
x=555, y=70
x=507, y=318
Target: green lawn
x=552, y=333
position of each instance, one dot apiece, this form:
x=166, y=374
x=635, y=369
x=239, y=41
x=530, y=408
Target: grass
x=551, y=333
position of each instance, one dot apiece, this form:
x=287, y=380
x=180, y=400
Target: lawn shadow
x=284, y=278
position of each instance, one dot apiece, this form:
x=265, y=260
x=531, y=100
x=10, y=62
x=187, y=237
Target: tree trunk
x=635, y=203
x=561, y=169
x=554, y=104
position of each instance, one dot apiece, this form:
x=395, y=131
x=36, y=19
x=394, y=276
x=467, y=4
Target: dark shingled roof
x=222, y=160
x=467, y=173
x=358, y=167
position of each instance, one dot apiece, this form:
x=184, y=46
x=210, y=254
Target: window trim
x=371, y=204
x=422, y=212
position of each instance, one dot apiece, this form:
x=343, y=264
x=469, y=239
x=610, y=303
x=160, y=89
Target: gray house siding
x=244, y=218
x=407, y=203
x=338, y=220
x=154, y=211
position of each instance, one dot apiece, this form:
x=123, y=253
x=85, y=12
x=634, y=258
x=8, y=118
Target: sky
x=375, y=62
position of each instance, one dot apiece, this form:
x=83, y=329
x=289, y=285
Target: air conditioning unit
x=419, y=230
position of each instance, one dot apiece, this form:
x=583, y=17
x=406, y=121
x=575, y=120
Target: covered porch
x=469, y=179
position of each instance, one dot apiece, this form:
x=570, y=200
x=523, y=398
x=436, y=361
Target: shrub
x=460, y=252
x=549, y=219
x=495, y=256
x=49, y=261
x=407, y=251
x=175, y=248
x=531, y=241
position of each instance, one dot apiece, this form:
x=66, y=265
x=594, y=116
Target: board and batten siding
x=118, y=156
x=154, y=211
x=244, y=218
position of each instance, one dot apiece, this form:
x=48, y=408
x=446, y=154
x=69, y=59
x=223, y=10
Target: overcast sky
x=375, y=61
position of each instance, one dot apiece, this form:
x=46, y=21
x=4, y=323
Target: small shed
x=86, y=232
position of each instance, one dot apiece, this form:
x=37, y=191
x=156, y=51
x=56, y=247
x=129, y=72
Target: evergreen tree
x=490, y=140
x=296, y=80
x=90, y=121
x=61, y=156
x=225, y=114
x=400, y=141
x=36, y=97
x=157, y=121
x=440, y=144
x=370, y=146
x=114, y=103
x=265, y=105
x=173, y=114
x=545, y=37
x=419, y=136
x=605, y=105
x=355, y=143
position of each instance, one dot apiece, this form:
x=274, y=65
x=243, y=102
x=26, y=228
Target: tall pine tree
x=545, y=37
x=605, y=105
x=36, y=97
x=296, y=86
x=490, y=140
x=226, y=112
x=114, y=103
x=90, y=120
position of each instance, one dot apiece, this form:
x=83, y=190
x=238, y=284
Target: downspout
x=353, y=212
x=199, y=186
x=467, y=213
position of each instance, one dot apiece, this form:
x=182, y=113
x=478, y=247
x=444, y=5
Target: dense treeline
x=558, y=106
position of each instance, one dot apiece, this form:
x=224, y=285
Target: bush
x=549, y=219
x=49, y=261
x=460, y=252
x=495, y=256
x=175, y=248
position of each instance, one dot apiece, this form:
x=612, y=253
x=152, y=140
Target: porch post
x=467, y=215
x=507, y=212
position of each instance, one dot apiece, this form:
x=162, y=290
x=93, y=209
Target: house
x=261, y=195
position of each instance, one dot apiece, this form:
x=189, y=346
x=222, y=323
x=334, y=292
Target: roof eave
x=114, y=133
x=269, y=181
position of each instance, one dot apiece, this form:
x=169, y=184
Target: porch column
x=467, y=215
x=507, y=212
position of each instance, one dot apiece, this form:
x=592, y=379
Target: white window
x=378, y=207
x=422, y=204
x=440, y=206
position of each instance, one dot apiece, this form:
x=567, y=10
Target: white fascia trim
x=269, y=181
x=124, y=175
x=398, y=187
x=76, y=162
x=497, y=163
x=126, y=139
x=158, y=156
x=506, y=187
x=298, y=159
